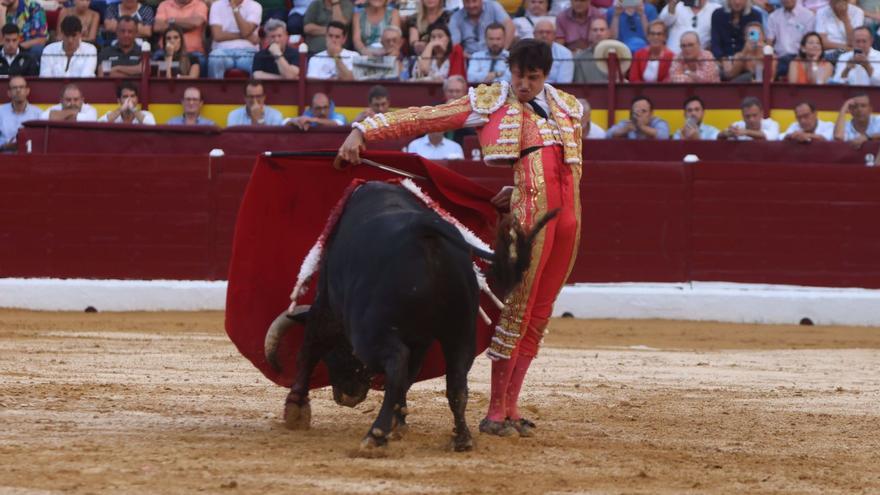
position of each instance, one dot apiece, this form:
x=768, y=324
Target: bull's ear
x=300, y=314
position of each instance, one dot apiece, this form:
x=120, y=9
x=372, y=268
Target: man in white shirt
x=562, y=70
x=861, y=65
x=72, y=107
x=335, y=62
x=864, y=126
x=69, y=57
x=808, y=127
x=694, y=128
x=835, y=23
x=127, y=112
x=590, y=130
x=691, y=15
x=753, y=126
x=234, y=28
x=434, y=146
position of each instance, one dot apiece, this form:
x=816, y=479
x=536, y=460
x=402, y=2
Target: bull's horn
x=284, y=322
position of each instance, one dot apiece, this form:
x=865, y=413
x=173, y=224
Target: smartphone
x=754, y=35
x=630, y=3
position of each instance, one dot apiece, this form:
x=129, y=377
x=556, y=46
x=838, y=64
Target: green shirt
x=318, y=13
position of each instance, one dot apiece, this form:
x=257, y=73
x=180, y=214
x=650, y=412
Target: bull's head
x=348, y=376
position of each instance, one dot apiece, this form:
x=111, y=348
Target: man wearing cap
x=535, y=129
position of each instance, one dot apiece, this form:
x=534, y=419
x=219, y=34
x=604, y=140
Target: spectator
x=574, y=25
x=378, y=102
x=808, y=127
x=318, y=18
x=490, y=65
x=435, y=62
x=89, y=19
x=562, y=70
x=143, y=14
x=861, y=65
x=255, y=111
x=124, y=58
x=335, y=62
x=16, y=112
x=127, y=112
x=72, y=108
x=651, y=63
x=786, y=27
x=429, y=15
x=748, y=64
x=192, y=109
x=367, y=26
x=468, y=25
x=728, y=27
x=871, y=9
x=278, y=60
x=70, y=57
x=15, y=61
x=392, y=46
x=535, y=10
x=630, y=23
x=590, y=130
x=585, y=68
x=321, y=112
x=234, y=26
x=30, y=18
x=753, y=126
x=642, y=123
x=836, y=23
x=177, y=61
x=694, y=128
x=681, y=18
x=810, y=67
x=693, y=64
x=862, y=127
x=434, y=146
x=296, y=15
x=191, y=16
x=456, y=87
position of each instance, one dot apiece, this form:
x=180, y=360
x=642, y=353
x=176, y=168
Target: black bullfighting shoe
x=524, y=427
x=498, y=428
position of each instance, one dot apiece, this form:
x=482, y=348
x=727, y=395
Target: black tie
x=538, y=110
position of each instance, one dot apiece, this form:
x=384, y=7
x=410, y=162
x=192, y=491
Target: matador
x=535, y=129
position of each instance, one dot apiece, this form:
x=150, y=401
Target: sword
x=365, y=161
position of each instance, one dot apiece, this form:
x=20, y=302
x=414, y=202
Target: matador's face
x=528, y=83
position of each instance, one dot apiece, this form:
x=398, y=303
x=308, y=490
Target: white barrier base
x=710, y=301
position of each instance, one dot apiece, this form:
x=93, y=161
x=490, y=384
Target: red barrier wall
x=150, y=217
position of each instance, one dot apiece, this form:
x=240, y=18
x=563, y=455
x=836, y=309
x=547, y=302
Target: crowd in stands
x=811, y=41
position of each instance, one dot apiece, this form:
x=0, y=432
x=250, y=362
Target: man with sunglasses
x=681, y=16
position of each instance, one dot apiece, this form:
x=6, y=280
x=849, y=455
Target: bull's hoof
x=374, y=439
x=398, y=431
x=463, y=443
x=297, y=417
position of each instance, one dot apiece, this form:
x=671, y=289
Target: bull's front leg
x=297, y=411
x=396, y=383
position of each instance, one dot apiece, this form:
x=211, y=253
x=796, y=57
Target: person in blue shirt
x=490, y=65
x=321, y=112
x=16, y=112
x=192, y=109
x=255, y=111
x=642, y=123
x=629, y=21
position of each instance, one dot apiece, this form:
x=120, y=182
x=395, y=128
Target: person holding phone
x=642, y=124
x=748, y=64
x=629, y=22
x=694, y=129
x=861, y=65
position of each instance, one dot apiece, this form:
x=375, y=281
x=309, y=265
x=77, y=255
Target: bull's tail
x=284, y=322
x=513, y=252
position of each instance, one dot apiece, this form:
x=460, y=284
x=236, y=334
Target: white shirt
x=86, y=114
x=322, y=65
x=53, y=62
x=148, y=119
x=651, y=71
x=525, y=25
x=10, y=58
x=858, y=76
x=562, y=70
x=683, y=21
x=850, y=132
x=446, y=150
x=221, y=15
x=824, y=129
x=769, y=127
x=829, y=24
x=596, y=132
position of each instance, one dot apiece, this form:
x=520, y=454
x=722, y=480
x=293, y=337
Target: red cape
x=284, y=209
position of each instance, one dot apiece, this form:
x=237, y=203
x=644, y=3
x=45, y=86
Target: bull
x=394, y=278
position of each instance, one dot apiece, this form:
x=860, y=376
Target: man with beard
x=490, y=65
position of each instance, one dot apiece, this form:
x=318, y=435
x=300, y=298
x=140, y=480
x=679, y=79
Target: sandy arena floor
x=162, y=403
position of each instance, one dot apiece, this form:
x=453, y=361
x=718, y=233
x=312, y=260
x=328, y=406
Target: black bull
x=394, y=277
